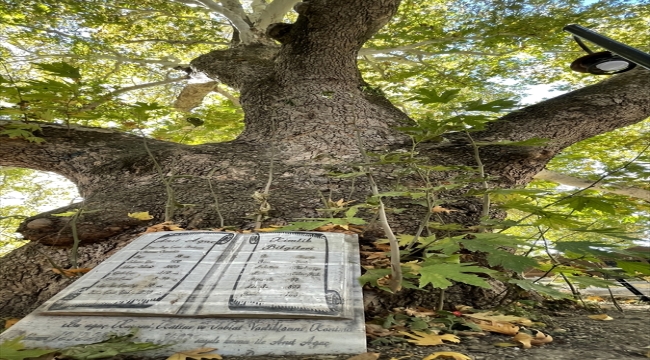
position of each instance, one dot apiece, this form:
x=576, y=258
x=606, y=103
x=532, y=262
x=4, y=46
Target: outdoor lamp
x=619, y=57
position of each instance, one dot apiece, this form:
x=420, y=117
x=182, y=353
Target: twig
x=395, y=263
x=214, y=196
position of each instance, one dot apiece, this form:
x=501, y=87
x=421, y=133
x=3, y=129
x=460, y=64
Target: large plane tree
x=85, y=93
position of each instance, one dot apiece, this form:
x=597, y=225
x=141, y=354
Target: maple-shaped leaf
x=542, y=289
x=201, y=353
x=517, y=263
x=15, y=350
x=61, y=69
x=424, y=339
x=447, y=355
x=439, y=275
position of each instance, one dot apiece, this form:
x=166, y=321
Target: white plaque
x=245, y=294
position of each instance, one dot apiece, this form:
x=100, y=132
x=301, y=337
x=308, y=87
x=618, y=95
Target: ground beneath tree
x=576, y=337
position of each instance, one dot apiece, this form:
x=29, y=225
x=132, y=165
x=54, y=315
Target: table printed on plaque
x=184, y=274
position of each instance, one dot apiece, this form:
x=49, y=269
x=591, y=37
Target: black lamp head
x=602, y=63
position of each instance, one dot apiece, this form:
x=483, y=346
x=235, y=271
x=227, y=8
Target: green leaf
x=580, y=203
x=304, y=225
x=542, y=289
x=15, y=350
x=632, y=267
x=510, y=261
x=429, y=96
x=593, y=248
x=439, y=275
x=492, y=106
x=586, y=281
x=60, y=69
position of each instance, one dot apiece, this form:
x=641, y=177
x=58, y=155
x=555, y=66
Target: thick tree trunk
x=308, y=113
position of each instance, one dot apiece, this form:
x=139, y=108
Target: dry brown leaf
x=419, y=312
x=497, y=327
x=541, y=339
x=383, y=247
x=345, y=229
x=603, y=317
x=423, y=339
x=376, y=331
x=447, y=355
x=195, y=354
x=595, y=298
x=365, y=356
x=10, y=322
x=492, y=316
x=166, y=226
x=528, y=340
x=71, y=272
x=439, y=209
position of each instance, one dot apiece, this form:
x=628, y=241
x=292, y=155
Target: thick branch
x=616, y=102
x=237, y=66
x=274, y=12
x=325, y=40
x=82, y=154
x=236, y=17
x=583, y=183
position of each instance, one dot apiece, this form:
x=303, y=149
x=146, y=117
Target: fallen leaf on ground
x=419, y=312
x=602, y=317
x=423, y=339
x=143, y=215
x=365, y=356
x=497, y=327
x=447, y=355
x=11, y=322
x=195, y=354
x=71, y=272
x=528, y=340
x=375, y=331
x=15, y=350
x=492, y=316
x=439, y=209
x=505, y=344
x=166, y=226
x=594, y=298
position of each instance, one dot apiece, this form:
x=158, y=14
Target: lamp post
x=619, y=57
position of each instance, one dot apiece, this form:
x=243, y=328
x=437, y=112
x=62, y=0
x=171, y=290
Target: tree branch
x=238, y=20
x=67, y=149
x=332, y=29
x=114, y=93
x=564, y=120
x=274, y=12
x=556, y=177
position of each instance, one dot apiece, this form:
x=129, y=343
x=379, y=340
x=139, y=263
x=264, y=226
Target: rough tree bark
x=306, y=107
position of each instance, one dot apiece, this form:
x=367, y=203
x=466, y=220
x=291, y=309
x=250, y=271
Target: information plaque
x=246, y=294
